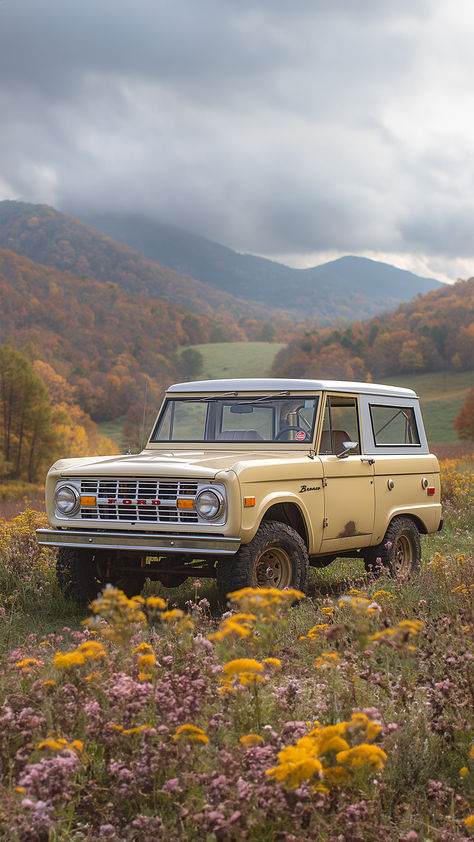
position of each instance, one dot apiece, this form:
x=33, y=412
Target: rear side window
x=394, y=425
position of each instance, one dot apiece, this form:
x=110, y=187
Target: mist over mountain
x=349, y=287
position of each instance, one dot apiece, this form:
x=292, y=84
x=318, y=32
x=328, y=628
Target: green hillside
x=236, y=359
x=442, y=395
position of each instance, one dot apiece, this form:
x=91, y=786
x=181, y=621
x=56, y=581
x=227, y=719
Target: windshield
x=261, y=418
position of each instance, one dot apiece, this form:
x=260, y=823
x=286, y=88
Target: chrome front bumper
x=138, y=542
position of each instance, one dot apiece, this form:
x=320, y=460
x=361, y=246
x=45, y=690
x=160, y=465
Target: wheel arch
x=422, y=529
x=291, y=514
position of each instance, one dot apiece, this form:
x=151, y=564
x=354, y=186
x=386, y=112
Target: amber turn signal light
x=88, y=501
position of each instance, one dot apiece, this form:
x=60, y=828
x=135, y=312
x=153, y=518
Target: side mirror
x=348, y=446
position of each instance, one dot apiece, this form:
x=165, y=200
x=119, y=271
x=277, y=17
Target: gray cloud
x=273, y=127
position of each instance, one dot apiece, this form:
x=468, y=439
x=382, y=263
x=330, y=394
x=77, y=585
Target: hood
x=150, y=463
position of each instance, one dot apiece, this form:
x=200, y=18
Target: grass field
x=237, y=359
x=442, y=395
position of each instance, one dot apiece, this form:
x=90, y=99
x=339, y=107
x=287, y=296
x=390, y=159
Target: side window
x=340, y=424
x=394, y=425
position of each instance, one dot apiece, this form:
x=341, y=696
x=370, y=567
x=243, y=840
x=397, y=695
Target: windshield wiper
x=212, y=397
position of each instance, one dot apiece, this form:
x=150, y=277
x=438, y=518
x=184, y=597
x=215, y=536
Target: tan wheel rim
x=403, y=560
x=273, y=569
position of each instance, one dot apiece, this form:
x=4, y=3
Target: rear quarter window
x=394, y=425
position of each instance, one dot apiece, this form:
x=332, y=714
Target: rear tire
x=402, y=556
x=276, y=557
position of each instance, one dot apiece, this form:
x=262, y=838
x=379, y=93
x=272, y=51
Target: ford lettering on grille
x=144, y=500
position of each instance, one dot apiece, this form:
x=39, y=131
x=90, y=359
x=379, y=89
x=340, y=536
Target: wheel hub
x=273, y=569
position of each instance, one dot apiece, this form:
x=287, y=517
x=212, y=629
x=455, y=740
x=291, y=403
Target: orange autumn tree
x=30, y=434
x=464, y=421
x=80, y=436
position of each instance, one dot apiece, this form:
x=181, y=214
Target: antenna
x=142, y=439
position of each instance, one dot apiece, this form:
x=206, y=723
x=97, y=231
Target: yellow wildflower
x=335, y=774
x=66, y=660
x=360, y=721
x=315, y=631
x=61, y=744
x=384, y=595
x=92, y=650
x=272, y=662
x=174, y=614
x=156, y=603
x=297, y=764
x=464, y=771
x=250, y=740
x=147, y=660
x=267, y=602
x=325, y=660
x=358, y=604
x=362, y=755
x=49, y=683
x=27, y=664
x=138, y=730
x=238, y=625
x=190, y=733
x=247, y=669
x=143, y=647
x=469, y=822
x=399, y=633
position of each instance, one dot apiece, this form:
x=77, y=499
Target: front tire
x=82, y=574
x=399, y=552
x=76, y=574
x=276, y=557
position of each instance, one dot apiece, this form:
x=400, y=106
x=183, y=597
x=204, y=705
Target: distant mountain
x=57, y=240
x=350, y=287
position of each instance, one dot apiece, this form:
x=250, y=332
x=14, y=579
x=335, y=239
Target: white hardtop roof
x=282, y=384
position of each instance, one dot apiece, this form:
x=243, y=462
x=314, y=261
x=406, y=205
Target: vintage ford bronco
x=250, y=481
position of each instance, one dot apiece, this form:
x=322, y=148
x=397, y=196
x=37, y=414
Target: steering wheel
x=285, y=430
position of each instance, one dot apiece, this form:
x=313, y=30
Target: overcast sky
x=296, y=129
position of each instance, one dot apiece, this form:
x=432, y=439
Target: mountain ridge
x=223, y=281
x=367, y=286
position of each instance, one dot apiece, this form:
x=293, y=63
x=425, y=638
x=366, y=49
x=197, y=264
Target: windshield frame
x=217, y=403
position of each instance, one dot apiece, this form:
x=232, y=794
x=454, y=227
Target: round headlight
x=66, y=498
x=209, y=504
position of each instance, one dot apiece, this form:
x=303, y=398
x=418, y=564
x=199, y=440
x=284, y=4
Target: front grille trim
x=141, y=500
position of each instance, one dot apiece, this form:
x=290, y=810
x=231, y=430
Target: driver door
x=349, y=488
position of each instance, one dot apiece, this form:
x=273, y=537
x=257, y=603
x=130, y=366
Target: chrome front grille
x=144, y=500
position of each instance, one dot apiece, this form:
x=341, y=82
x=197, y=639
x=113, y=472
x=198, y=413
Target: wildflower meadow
x=343, y=715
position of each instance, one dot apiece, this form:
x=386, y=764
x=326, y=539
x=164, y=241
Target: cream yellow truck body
x=327, y=468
